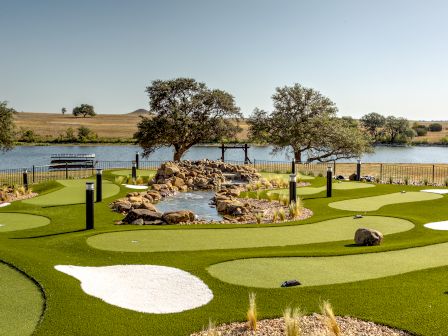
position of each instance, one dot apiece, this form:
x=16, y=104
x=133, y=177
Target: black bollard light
x=99, y=185
x=25, y=179
x=358, y=170
x=137, y=160
x=134, y=170
x=293, y=184
x=329, y=181
x=90, y=187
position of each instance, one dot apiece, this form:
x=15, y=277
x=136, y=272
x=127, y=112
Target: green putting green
x=315, y=271
x=216, y=239
x=375, y=202
x=74, y=192
x=18, y=221
x=140, y=172
x=314, y=190
x=21, y=303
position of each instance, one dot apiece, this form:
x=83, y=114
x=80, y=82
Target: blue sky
x=388, y=56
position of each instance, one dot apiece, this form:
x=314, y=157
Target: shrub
x=421, y=131
x=435, y=127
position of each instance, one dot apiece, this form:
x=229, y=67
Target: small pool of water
x=196, y=201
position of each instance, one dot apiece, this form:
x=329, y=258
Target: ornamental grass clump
x=139, y=180
x=295, y=208
x=252, y=312
x=282, y=214
x=119, y=179
x=275, y=215
x=292, y=321
x=259, y=217
x=406, y=180
x=330, y=319
x=211, y=330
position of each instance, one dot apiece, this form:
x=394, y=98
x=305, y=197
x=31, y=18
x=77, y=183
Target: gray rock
x=368, y=237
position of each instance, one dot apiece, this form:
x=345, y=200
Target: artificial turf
x=18, y=221
x=301, y=191
x=376, y=202
x=21, y=303
x=140, y=172
x=74, y=192
x=316, y=271
x=216, y=239
x=415, y=301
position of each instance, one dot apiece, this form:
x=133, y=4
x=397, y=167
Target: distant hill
x=139, y=112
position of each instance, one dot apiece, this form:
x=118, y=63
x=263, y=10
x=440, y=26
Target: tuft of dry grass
x=330, y=319
x=296, y=208
x=259, y=217
x=211, y=330
x=275, y=215
x=139, y=180
x=119, y=179
x=282, y=214
x=252, y=312
x=292, y=321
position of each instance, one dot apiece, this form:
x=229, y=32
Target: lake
x=26, y=156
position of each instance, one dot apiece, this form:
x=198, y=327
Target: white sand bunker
x=143, y=288
x=139, y=187
x=4, y=204
x=437, y=225
x=436, y=191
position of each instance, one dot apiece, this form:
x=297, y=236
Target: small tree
x=373, y=123
x=63, y=110
x=84, y=110
x=185, y=113
x=395, y=127
x=85, y=134
x=7, y=126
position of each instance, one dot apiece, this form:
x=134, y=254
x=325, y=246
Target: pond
x=196, y=201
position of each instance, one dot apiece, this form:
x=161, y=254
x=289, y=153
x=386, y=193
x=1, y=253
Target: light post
x=90, y=187
x=329, y=181
x=99, y=185
x=293, y=183
x=358, y=170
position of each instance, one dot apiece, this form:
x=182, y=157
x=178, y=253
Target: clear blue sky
x=388, y=56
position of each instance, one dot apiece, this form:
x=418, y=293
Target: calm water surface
x=26, y=156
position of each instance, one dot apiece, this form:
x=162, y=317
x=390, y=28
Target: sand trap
x=142, y=288
x=131, y=186
x=4, y=204
x=436, y=191
x=437, y=225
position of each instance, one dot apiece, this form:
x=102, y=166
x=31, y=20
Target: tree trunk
x=298, y=156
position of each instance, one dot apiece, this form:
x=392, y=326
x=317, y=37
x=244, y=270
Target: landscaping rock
x=176, y=217
x=368, y=237
x=146, y=215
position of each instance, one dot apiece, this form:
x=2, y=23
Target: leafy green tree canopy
x=395, y=127
x=373, y=123
x=7, y=126
x=305, y=120
x=84, y=110
x=185, y=113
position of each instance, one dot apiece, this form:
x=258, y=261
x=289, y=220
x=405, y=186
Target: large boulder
x=146, y=215
x=368, y=237
x=181, y=216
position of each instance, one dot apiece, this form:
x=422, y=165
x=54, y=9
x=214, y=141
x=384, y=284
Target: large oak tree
x=184, y=113
x=305, y=120
x=7, y=126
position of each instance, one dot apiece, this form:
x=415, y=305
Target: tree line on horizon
x=185, y=112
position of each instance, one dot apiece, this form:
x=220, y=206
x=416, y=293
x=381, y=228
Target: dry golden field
x=121, y=126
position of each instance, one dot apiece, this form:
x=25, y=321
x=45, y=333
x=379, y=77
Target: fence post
x=25, y=179
x=334, y=167
x=381, y=172
x=433, y=174
x=66, y=171
x=33, y=174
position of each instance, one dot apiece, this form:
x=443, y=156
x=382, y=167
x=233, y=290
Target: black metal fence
x=431, y=174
